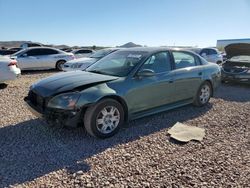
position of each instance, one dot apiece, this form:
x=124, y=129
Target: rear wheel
x=59, y=65
x=104, y=119
x=203, y=95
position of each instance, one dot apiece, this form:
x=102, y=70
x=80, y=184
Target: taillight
x=12, y=63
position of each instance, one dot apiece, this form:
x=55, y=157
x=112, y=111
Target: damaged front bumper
x=61, y=117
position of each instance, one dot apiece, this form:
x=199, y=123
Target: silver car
x=40, y=58
x=211, y=55
x=82, y=53
x=83, y=63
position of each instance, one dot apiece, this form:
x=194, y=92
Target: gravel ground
x=140, y=155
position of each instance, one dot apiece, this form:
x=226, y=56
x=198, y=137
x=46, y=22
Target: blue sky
x=115, y=22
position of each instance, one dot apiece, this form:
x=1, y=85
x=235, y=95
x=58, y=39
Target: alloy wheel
x=205, y=93
x=108, y=119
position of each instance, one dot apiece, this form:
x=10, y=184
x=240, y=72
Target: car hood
x=82, y=60
x=64, y=82
x=237, y=49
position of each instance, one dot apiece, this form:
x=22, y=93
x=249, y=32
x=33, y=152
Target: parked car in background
x=39, y=58
x=8, y=69
x=9, y=51
x=67, y=49
x=82, y=53
x=83, y=63
x=237, y=66
x=211, y=55
x=30, y=44
x=125, y=85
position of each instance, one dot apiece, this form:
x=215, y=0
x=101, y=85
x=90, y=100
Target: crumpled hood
x=67, y=81
x=81, y=60
x=237, y=49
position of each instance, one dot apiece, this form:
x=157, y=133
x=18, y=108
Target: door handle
x=200, y=73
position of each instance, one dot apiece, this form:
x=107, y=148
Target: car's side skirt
x=160, y=109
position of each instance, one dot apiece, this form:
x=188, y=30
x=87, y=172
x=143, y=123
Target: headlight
x=64, y=101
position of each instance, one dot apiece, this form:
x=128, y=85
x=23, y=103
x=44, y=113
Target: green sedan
x=125, y=85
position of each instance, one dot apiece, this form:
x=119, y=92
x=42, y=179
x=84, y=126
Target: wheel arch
x=59, y=61
x=211, y=84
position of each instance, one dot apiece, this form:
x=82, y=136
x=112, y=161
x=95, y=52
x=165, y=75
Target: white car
x=211, y=55
x=8, y=69
x=85, y=62
x=40, y=58
x=79, y=53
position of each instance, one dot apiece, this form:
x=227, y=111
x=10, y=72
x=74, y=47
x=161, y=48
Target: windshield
x=101, y=53
x=241, y=58
x=119, y=63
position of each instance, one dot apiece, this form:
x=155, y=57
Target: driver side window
x=159, y=62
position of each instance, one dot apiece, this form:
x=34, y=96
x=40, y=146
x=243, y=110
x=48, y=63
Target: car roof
x=112, y=48
x=42, y=47
x=34, y=47
x=155, y=49
x=210, y=48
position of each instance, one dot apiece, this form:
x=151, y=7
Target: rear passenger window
x=183, y=60
x=204, y=51
x=212, y=52
x=34, y=52
x=48, y=51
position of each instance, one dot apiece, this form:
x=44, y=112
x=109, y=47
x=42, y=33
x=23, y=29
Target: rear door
x=188, y=75
x=48, y=58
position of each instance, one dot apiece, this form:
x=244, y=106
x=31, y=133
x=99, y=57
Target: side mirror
x=145, y=73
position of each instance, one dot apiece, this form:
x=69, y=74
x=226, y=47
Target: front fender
x=93, y=94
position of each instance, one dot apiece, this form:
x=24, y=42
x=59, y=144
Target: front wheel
x=104, y=119
x=203, y=95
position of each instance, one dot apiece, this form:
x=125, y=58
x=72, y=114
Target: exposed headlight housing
x=64, y=101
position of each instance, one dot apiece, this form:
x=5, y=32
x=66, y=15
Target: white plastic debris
x=185, y=133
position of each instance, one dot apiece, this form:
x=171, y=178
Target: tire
x=111, y=117
x=203, y=95
x=59, y=65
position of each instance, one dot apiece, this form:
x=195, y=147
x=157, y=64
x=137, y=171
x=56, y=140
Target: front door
x=153, y=91
x=29, y=60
